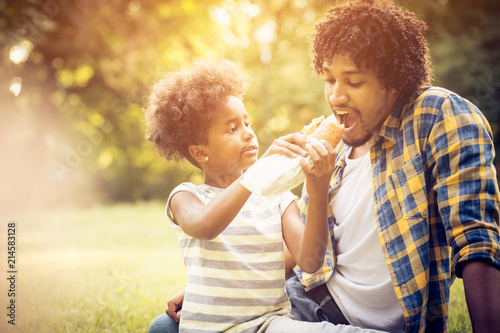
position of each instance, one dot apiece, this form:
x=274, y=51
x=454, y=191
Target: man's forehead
x=344, y=65
x=344, y=70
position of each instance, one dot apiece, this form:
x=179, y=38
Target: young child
x=231, y=240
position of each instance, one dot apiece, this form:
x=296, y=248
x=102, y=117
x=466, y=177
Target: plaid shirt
x=436, y=202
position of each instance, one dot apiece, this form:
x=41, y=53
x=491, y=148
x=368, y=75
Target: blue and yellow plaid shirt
x=436, y=202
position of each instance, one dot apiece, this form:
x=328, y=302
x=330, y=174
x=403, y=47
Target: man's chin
x=355, y=143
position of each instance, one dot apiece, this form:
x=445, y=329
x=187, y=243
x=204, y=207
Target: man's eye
x=330, y=81
x=355, y=84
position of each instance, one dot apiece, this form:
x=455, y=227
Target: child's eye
x=232, y=129
x=248, y=124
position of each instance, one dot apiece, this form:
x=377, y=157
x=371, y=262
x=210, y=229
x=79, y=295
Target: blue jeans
x=303, y=309
x=289, y=325
x=163, y=324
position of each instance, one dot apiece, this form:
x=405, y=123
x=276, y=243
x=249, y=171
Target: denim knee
x=303, y=308
x=163, y=324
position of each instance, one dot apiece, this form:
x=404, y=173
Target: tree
x=465, y=45
x=79, y=71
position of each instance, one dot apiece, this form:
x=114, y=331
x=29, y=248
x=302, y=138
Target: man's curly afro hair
x=182, y=104
x=378, y=35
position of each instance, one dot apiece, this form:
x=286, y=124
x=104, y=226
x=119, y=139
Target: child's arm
x=308, y=243
x=207, y=222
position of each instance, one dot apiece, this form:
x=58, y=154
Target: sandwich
x=275, y=174
x=327, y=129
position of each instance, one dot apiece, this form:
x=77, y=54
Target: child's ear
x=199, y=153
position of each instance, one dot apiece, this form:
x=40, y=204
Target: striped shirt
x=436, y=202
x=236, y=282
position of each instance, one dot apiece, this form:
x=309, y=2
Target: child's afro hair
x=182, y=104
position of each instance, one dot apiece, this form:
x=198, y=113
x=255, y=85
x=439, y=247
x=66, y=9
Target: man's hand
x=174, y=306
x=318, y=174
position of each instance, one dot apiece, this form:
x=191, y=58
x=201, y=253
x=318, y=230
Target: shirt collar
x=392, y=124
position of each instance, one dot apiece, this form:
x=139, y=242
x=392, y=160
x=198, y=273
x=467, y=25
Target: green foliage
x=74, y=132
x=465, y=45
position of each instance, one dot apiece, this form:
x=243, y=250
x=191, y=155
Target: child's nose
x=249, y=134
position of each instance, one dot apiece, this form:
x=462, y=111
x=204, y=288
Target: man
x=414, y=200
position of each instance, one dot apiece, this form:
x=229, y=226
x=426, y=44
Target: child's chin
x=248, y=165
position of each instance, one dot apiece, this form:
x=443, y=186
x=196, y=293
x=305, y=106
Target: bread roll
x=311, y=127
x=327, y=129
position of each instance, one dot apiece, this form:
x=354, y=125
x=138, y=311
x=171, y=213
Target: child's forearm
x=315, y=238
x=213, y=218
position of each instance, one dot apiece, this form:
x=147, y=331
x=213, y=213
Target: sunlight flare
x=19, y=53
x=16, y=85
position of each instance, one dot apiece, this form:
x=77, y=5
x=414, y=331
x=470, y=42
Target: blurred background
x=75, y=74
x=87, y=192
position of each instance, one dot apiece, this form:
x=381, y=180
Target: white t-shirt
x=361, y=284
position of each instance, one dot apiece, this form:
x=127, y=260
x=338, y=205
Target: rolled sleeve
x=466, y=187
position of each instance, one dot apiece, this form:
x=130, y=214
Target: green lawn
x=105, y=269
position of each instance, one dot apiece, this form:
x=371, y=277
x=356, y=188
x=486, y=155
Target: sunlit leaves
x=78, y=72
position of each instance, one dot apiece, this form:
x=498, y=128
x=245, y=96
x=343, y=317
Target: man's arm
x=289, y=261
x=307, y=243
x=468, y=197
x=482, y=293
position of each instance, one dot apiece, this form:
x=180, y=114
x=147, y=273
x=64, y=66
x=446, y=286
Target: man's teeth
x=342, y=114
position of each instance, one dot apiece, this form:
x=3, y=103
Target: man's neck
x=357, y=152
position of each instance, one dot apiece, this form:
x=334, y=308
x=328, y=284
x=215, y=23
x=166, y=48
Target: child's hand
x=319, y=172
x=291, y=145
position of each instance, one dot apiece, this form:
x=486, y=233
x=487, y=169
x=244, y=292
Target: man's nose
x=337, y=96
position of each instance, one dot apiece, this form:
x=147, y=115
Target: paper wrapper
x=275, y=174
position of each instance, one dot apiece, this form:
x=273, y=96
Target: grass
x=106, y=269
